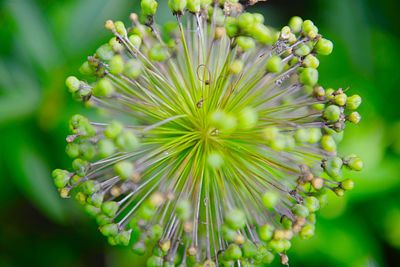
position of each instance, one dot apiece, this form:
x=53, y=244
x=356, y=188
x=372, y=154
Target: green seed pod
x=247, y=118
x=274, y=64
x=307, y=231
x=300, y=211
x=113, y=130
x=86, y=69
x=104, y=88
x=177, y=6
x=233, y=252
x=309, y=29
x=310, y=61
x=193, y=6
x=333, y=167
x=314, y=135
x=235, y=219
x=328, y=143
x=133, y=68
x=270, y=199
x=245, y=43
x=309, y=76
x=127, y=141
x=72, y=150
x=183, y=210
x=116, y=65
x=354, y=117
x=110, y=208
x=353, y=102
x=116, y=46
x=149, y=7
x=266, y=232
x=228, y=234
x=296, y=24
x=323, y=47
x=73, y=84
x=109, y=229
x=124, y=169
x=262, y=34
x=139, y=248
x=96, y=199
x=339, y=191
x=223, y=121
x=87, y=151
x=123, y=238
x=312, y=204
x=61, y=178
x=278, y=246
x=347, y=184
x=92, y=210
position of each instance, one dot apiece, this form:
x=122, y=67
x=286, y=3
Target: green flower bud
x=300, y=211
x=302, y=135
x=309, y=76
x=245, y=21
x=139, y=248
x=88, y=151
x=177, y=6
x=158, y=53
x=307, y=231
x=274, y=64
x=105, y=52
x=247, y=118
x=323, y=47
x=296, y=24
x=116, y=65
x=278, y=246
x=183, y=210
x=302, y=50
x=127, y=141
x=354, y=163
x=113, y=130
x=311, y=203
x=155, y=261
x=92, y=210
x=80, y=166
x=309, y=29
x=231, y=27
x=86, y=69
x=310, y=61
x=235, y=219
x=266, y=232
x=347, y=184
x=72, y=150
x=73, y=84
x=233, y=252
x=236, y=66
x=156, y=232
x=339, y=191
x=96, y=199
x=228, y=234
x=135, y=40
x=215, y=160
x=225, y=122
x=103, y=88
x=353, y=102
x=133, y=69
x=354, y=117
x=110, y=208
x=333, y=167
x=123, y=238
x=61, y=178
x=193, y=6
x=120, y=28
x=90, y=187
x=328, y=143
x=249, y=250
x=115, y=45
x=314, y=135
x=340, y=99
x=149, y=7
x=124, y=169
x=109, y=229
x=270, y=199
x=102, y=220
x=245, y=43
x=262, y=34
x=106, y=148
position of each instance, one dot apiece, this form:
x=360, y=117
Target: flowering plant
x=220, y=144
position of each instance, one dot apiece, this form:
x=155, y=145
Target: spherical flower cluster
x=220, y=145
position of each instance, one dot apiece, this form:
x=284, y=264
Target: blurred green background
x=43, y=41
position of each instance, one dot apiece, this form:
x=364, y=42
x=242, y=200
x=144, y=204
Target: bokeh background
x=43, y=41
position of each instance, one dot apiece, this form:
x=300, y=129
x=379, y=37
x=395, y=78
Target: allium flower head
x=219, y=144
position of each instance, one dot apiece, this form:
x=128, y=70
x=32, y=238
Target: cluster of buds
x=219, y=145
